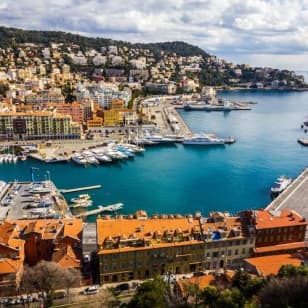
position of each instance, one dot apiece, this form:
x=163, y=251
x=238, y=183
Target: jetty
x=101, y=209
x=65, y=191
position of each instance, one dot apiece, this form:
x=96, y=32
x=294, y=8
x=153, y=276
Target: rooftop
x=263, y=219
x=268, y=265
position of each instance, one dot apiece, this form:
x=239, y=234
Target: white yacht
x=100, y=156
x=90, y=158
x=281, y=184
x=203, y=139
x=79, y=159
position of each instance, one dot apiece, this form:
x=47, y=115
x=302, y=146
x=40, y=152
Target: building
x=74, y=109
x=165, y=88
x=276, y=231
x=103, y=95
x=11, y=258
x=140, y=247
x=270, y=265
x=37, y=125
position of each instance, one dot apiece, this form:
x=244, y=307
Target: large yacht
x=203, y=140
x=281, y=184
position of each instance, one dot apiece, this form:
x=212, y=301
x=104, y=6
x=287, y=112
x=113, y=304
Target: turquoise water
x=178, y=179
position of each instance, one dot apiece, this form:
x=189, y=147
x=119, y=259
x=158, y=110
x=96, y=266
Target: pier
x=295, y=197
x=101, y=209
x=65, y=191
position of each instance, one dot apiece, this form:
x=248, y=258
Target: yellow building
x=96, y=122
x=37, y=125
x=111, y=117
x=140, y=247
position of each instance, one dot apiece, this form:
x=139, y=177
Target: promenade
x=295, y=197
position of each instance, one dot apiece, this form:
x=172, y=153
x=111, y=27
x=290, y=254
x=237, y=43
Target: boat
x=15, y=159
x=303, y=141
x=79, y=159
x=158, y=139
x=203, y=139
x=101, y=157
x=281, y=184
x=125, y=151
x=81, y=198
x=40, y=189
x=90, y=158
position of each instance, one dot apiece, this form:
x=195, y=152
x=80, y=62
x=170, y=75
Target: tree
x=48, y=277
x=209, y=296
x=150, y=294
x=193, y=290
x=71, y=277
x=230, y=299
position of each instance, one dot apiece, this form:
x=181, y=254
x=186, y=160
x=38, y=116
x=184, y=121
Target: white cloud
x=228, y=27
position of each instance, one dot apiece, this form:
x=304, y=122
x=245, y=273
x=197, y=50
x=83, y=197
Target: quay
x=101, y=209
x=295, y=197
x=65, y=191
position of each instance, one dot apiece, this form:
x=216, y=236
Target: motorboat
x=79, y=159
x=125, y=151
x=81, y=198
x=203, y=139
x=90, y=158
x=281, y=184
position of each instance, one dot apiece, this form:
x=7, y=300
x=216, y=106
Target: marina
x=178, y=179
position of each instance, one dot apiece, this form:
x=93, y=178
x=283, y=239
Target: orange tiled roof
x=281, y=247
x=274, y=219
x=271, y=264
x=66, y=257
x=201, y=281
x=72, y=228
x=9, y=266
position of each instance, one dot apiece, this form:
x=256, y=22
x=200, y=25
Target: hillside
x=11, y=36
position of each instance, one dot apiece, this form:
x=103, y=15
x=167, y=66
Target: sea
x=185, y=179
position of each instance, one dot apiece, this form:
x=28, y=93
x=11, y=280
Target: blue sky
x=259, y=32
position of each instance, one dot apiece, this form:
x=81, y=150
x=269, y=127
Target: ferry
x=280, y=184
x=203, y=140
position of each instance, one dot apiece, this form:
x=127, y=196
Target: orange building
x=74, y=109
x=277, y=231
x=140, y=247
x=11, y=258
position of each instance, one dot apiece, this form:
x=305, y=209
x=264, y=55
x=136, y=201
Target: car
x=123, y=287
x=91, y=290
x=198, y=274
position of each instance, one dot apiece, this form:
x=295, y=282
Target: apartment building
x=277, y=231
x=140, y=247
x=30, y=241
x=37, y=125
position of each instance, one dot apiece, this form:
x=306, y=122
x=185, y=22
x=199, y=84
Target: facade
x=277, y=231
x=37, y=125
x=141, y=247
x=75, y=110
x=103, y=95
x=165, y=88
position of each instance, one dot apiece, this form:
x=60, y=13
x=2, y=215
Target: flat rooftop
x=32, y=200
x=295, y=197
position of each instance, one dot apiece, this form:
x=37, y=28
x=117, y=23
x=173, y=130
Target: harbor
x=181, y=179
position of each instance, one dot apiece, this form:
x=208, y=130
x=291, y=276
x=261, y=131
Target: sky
x=259, y=32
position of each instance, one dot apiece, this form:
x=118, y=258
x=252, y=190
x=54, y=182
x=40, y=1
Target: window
x=215, y=254
x=236, y=252
x=243, y=250
x=229, y=252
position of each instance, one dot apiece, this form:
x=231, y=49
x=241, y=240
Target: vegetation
x=47, y=277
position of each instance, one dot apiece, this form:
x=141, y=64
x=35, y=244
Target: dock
x=65, y=191
x=295, y=197
x=101, y=209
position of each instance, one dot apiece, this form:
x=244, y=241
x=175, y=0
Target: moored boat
x=203, y=139
x=280, y=184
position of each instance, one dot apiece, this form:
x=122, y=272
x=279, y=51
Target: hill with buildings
x=185, y=67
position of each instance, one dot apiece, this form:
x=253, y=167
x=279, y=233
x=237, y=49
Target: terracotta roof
x=281, y=247
x=201, y=281
x=66, y=257
x=271, y=264
x=275, y=219
x=72, y=227
x=9, y=266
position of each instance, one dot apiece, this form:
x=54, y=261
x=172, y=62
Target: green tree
x=151, y=294
x=230, y=299
x=209, y=296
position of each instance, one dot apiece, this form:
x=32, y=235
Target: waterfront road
x=295, y=197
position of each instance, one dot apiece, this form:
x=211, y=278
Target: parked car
x=91, y=290
x=123, y=287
